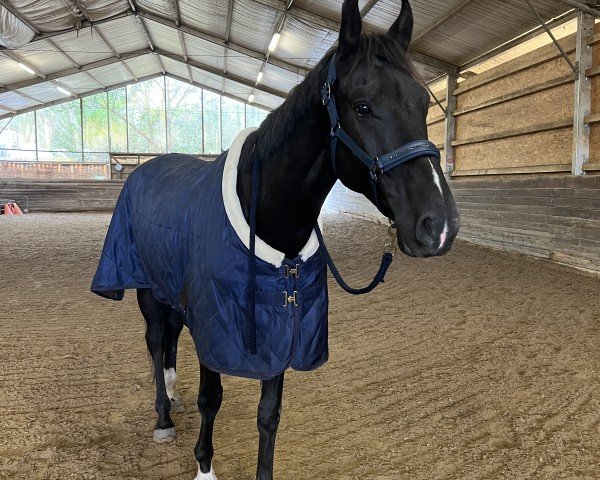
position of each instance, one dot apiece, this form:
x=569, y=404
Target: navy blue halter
x=377, y=165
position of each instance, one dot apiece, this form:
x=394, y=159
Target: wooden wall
x=515, y=118
x=63, y=195
x=550, y=216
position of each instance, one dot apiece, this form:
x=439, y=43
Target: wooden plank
x=551, y=105
x=525, y=62
x=564, y=167
x=524, y=92
x=591, y=167
x=546, y=127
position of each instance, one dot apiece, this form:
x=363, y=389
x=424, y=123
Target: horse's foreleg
x=210, y=397
x=269, y=412
x=173, y=328
x=155, y=314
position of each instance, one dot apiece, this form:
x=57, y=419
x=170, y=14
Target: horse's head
x=383, y=106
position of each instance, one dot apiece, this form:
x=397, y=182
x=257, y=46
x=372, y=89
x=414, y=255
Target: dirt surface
x=477, y=365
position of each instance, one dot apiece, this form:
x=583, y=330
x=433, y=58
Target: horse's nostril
x=424, y=231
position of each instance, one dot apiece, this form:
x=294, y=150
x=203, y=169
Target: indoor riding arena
x=483, y=363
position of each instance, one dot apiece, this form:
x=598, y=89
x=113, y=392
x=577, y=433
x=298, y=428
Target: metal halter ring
x=391, y=247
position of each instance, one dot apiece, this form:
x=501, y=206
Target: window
x=17, y=138
x=255, y=116
x=184, y=117
x=117, y=116
x=146, y=116
x=95, y=124
x=233, y=121
x=59, y=133
x=212, y=122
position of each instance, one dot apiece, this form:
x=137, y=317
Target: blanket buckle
x=292, y=272
x=290, y=299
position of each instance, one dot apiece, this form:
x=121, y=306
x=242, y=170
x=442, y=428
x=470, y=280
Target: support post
x=450, y=136
x=583, y=94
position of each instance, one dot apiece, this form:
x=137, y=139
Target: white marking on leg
x=206, y=476
x=436, y=178
x=171, y=383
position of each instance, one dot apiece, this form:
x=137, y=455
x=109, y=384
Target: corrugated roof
x=226, y=52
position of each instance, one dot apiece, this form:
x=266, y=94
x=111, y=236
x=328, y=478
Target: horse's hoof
x=164, y=435
x=177, y=405
x=206, y=476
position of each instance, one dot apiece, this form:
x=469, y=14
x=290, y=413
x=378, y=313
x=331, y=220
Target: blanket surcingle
x=178, y=229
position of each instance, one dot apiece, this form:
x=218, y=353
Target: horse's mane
x=282, y=121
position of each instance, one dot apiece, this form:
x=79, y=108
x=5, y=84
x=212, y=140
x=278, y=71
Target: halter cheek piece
x=377, y=165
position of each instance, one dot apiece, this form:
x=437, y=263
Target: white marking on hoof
x=164, y=435
x=206, y=476
x=171, y=383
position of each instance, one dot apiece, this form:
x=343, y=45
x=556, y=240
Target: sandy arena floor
x=477, y=365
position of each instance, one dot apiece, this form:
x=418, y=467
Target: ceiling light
x=251, y=98
x=63, y=90
x=26, y=68
x=274, y=41
x=259, y=78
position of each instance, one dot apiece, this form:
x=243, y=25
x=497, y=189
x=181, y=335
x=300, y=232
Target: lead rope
x=252, y=266
x=386, y=261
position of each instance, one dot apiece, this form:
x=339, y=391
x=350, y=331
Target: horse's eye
x=362, y=110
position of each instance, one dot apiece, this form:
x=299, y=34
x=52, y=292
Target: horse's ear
x=351, y=25
x=402, y=28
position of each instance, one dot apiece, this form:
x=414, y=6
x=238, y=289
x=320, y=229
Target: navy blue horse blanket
x=178, y=229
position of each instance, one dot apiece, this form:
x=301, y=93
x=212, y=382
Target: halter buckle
x=334, y=130
x=376, y=171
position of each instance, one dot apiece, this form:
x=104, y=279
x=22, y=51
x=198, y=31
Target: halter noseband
x=377, y=165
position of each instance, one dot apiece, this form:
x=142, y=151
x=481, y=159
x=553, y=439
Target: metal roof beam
x=301, y=14
x=115, y=53
x=72, y=71
x=214, y=90
x=218, y=72
x=334, y=25
x=182, y=43
x=70, y=59
x=432, y=62
x=584, y=7
x=82, y=95
x=229, y=21
x=368, y=7
x=8, y=109
x=176, y=12
x=219, y=41
x=6, y=4
x=442, y=20
x=146, y=31
x=27, y=96
x=84, y=24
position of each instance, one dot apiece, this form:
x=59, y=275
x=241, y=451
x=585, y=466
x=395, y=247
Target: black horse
x=382, y=105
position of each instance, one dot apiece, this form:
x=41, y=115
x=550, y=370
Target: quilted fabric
x=170, y=232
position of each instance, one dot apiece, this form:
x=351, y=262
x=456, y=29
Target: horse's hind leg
x=155, y=313
x=173, y=328
x=210, y=397
x=269, y=412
